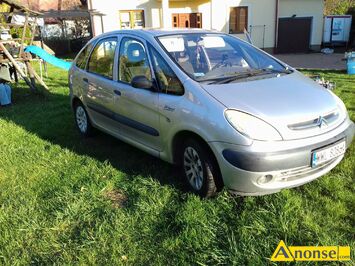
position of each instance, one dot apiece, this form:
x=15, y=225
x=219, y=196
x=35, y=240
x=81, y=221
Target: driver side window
x=166, y=78
x=133, y=61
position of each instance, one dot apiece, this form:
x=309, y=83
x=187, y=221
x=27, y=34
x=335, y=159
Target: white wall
x=261, y=12
x=111, y=10
x=306, y=8
x=201, y=6
x=152, y=11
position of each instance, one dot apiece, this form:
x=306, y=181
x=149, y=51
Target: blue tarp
x=48, y=57
x=351, y=63
x=5, y=94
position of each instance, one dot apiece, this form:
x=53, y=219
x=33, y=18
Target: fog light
x=264, y=179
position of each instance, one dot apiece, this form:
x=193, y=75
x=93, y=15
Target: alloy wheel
x=81, y=119
x=193, y=168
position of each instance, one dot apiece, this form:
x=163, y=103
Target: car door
x=136, y=108
x=77, y=74
x=171, y=91
x=99, y=95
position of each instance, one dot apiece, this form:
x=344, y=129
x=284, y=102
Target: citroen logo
x=322, y=122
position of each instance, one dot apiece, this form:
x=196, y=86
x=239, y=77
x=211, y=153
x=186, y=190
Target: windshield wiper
x=283, y=71
x=227, y=78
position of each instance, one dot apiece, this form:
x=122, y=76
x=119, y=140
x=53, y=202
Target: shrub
x=338, y=7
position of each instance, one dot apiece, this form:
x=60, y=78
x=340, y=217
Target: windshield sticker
x=199, y=74
x=173, y=44
x=213, y=42
x=191, y=43
x=244, y=63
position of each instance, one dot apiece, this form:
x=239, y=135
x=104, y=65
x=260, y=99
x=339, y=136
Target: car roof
x=156, y=32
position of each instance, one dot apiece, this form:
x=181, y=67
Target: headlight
x=251, y=126
x=341, y=106
x=343, y=113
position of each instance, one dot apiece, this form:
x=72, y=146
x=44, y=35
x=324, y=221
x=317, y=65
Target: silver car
x=228, y=113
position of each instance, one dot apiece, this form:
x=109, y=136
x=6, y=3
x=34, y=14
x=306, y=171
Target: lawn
x=67, y=200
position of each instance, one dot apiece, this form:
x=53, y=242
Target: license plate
x=324, y=155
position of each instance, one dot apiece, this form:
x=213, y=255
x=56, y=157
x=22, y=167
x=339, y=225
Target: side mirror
x=141, y=82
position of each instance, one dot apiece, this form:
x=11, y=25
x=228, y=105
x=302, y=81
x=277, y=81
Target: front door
x=187, y=20
x=136, y=108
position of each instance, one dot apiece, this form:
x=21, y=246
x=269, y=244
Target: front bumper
x=268, y=167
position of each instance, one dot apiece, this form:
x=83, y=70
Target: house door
x=294, y=35
x=187, y=20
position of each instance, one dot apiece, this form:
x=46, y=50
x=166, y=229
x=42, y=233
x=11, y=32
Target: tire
x=199, y=168
x=82, y=120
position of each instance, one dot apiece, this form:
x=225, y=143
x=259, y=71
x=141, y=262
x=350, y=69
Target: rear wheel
x=199, y=168
x=82, y=120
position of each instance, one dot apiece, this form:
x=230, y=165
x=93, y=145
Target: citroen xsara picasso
x=226, y=112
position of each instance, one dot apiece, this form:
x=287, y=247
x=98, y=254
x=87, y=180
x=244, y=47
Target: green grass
x=66, y=200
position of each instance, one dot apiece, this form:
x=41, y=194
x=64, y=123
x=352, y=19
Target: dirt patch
x=117, y=198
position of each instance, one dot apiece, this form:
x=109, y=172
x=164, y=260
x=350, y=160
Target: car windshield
x=219, y=58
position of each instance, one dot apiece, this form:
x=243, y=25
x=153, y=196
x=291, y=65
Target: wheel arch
x=178, y=139
x=177, y=145
x=74, y=101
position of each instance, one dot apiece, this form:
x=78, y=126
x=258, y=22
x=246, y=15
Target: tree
x=81, y=28
x=338, y=7
x=3, y=8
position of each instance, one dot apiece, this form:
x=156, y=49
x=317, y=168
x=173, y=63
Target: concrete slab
x=314, y=61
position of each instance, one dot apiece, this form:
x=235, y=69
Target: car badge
x=322, y=122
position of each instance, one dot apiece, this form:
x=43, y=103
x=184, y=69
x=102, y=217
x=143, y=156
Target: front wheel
x=200, y=168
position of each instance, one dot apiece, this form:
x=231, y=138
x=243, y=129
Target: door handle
x=117, y=92
x=86, y=80
x=168, y=108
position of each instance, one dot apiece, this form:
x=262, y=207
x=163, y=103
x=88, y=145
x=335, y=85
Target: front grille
x=297, y=173
x=326, y=120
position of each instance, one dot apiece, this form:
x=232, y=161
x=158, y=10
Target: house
x=284, y=25
x=65, y=26
x=46, y=5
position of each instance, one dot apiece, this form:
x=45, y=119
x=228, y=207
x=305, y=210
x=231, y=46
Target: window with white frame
x=132, y=19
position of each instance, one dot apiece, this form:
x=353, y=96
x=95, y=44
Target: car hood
x=291, y=103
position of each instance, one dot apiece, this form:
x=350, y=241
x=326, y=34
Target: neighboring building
x=66, y=24
x=46, y=5
x=293, y=25
x=41, y=4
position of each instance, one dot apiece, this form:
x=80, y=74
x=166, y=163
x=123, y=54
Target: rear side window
x=166, y=78
x=102, y=58
x=83, y=56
